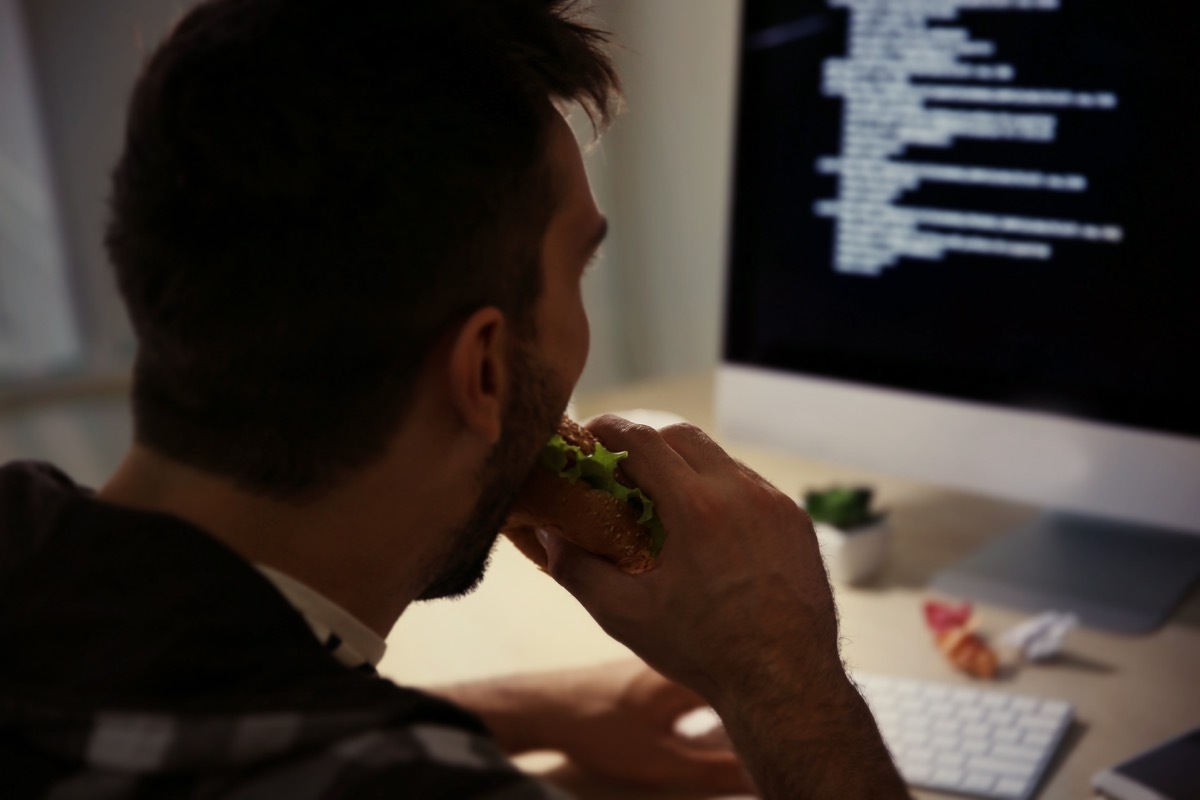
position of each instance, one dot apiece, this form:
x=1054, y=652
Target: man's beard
x=530, y=418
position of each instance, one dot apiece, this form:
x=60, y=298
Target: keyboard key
x=964, y=697
x=942, y=709
x=975, y=746
x=1016, y=752
x=919, y=754
x=1013, y=787
x=978, y=782
x=949, y=778
x=917, y=773
x=1007, y=735
x=1037, y=738
x=1054, y=708
x=1024, y=704
x=1000, y=766
x=1041, y=723
x=885, y=718
x=945, y=742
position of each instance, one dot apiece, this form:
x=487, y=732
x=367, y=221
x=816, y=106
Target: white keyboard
x=961, y=739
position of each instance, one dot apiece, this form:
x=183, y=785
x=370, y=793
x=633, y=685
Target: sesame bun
x=592, y=504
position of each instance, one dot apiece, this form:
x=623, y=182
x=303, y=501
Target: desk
x=1128, y=692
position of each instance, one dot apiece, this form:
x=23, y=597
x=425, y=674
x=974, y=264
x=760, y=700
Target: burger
x=578, y=487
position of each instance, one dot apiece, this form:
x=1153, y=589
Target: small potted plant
x=853, y=535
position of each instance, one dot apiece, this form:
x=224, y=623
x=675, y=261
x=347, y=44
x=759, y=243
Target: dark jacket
x=139, y=657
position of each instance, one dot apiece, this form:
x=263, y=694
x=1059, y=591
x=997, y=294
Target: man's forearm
x=815, y=739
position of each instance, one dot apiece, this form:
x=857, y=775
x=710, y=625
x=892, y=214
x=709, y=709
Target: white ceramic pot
x=853, y=557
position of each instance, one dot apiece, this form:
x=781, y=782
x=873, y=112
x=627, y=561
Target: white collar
x=351, y=642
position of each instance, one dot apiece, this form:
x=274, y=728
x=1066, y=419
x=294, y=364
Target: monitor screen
x=962, y=251
x=990, y=200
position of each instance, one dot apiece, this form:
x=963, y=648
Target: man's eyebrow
x=597, y=237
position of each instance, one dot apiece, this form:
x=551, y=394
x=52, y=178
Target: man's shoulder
x=34, y=497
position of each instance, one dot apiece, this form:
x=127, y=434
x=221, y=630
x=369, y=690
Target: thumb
x=569, y=564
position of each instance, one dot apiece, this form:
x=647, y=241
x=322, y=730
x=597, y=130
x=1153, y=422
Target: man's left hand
x=617, y=720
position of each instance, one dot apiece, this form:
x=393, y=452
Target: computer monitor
x=963, y=249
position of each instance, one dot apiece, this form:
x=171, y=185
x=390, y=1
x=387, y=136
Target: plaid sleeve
x=432, y=761
x=266, y=757
x=422, y=761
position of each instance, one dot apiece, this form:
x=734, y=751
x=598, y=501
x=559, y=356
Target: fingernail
x=547, y=535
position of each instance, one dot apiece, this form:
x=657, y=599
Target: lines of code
x=914, y=77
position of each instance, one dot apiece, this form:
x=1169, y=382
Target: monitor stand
x=1117, y=576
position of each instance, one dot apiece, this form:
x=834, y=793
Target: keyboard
x=967, y=740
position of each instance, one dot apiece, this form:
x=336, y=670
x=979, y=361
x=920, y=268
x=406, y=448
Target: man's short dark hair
x=311, y=191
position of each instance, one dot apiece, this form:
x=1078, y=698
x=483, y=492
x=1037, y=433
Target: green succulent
x=844, y=507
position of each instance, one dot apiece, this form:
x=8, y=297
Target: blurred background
x=66, y=70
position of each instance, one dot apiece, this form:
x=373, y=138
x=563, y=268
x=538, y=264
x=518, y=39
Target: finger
x=698, y=449
x=707, y=457
x=756, y=477
x=652, y=463
x=678, y=700
x=705, y=769
x=744, y=467
x=526, y=540
x=667, y=700
x=576, y=570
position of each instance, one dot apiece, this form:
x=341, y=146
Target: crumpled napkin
x=1041, y=637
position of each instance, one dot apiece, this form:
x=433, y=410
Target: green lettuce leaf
x=596, y=470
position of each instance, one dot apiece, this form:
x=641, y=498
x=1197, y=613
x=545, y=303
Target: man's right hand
x=738, y=608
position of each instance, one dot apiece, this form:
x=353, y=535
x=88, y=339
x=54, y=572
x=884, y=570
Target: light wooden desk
x=1128, y=692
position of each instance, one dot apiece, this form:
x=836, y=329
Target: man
x=351, y=239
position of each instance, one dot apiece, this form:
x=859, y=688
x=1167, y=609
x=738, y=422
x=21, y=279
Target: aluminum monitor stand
x=1116, y=576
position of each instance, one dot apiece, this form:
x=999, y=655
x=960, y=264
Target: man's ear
x=477, y=371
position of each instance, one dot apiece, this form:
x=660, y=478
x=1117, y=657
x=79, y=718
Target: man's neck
x=368, y=544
